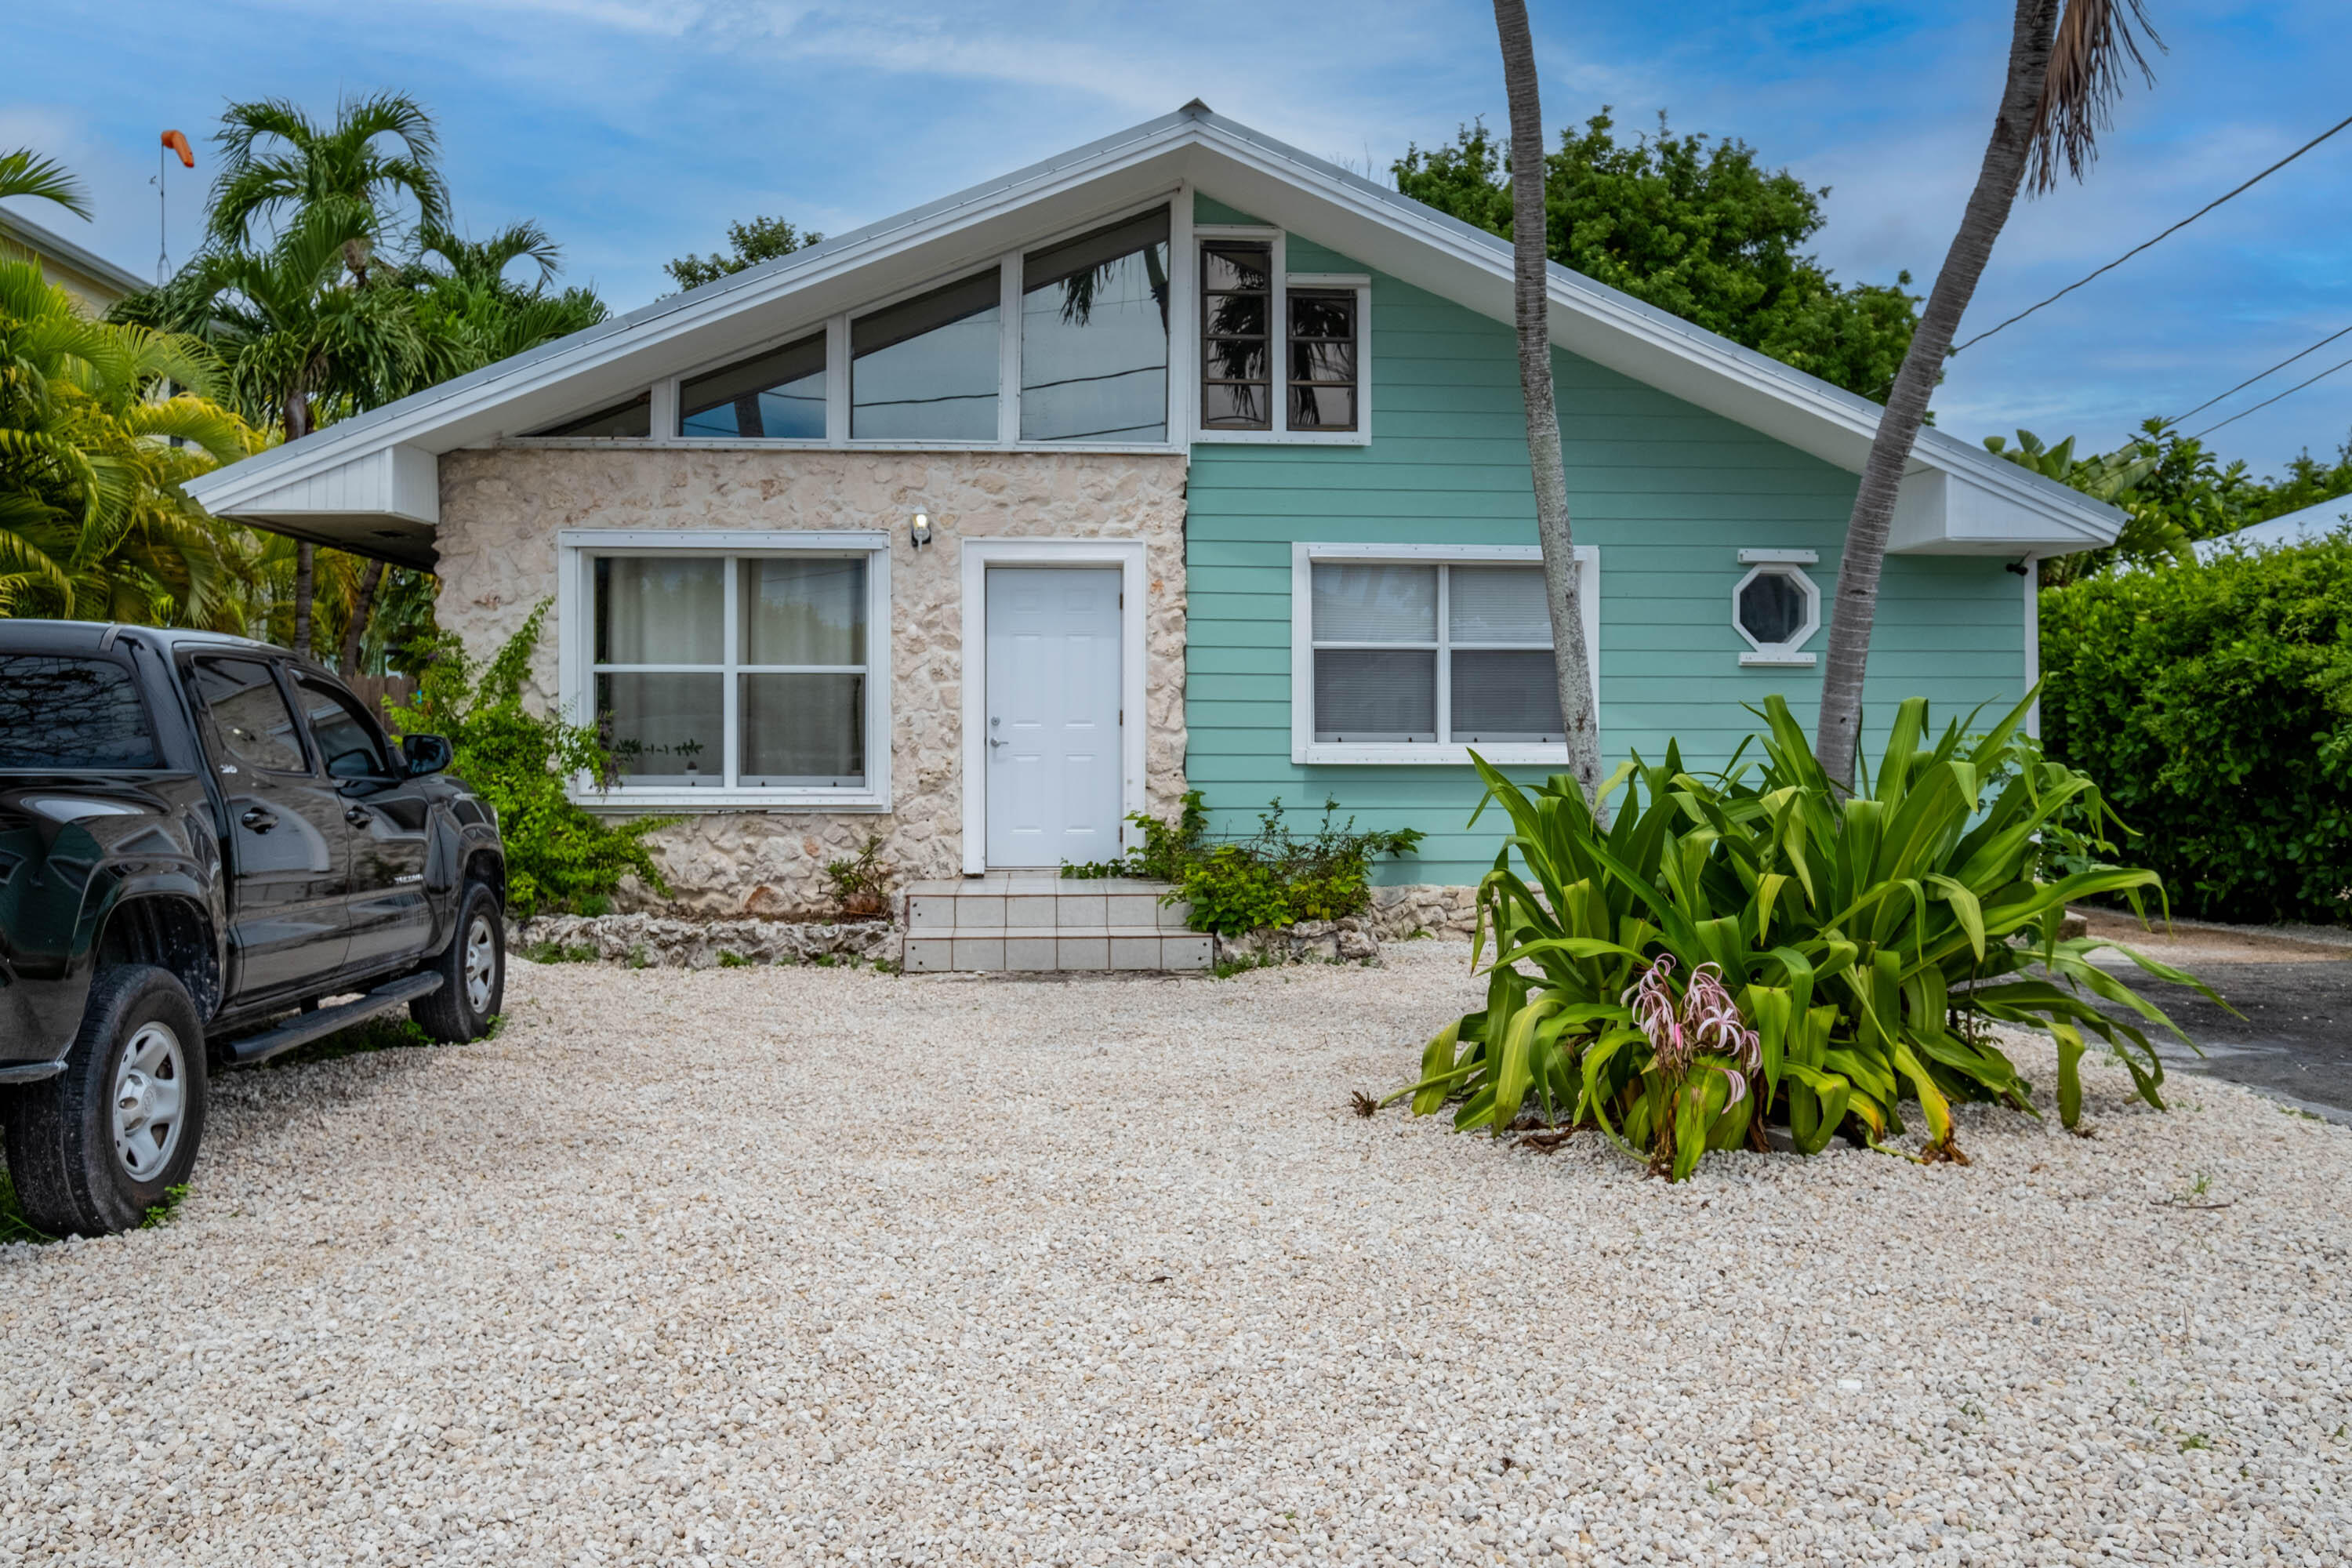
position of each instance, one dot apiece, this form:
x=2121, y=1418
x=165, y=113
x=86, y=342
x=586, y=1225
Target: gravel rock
x=811, y=1264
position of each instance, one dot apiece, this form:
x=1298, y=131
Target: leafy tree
x=93, y=522
x=2065, y=71
x=2175, y=491
x=749, y=243
x=276, y=159
x=2148, y=537
x=1693, y=225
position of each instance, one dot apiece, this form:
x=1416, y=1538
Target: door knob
x=258, y=820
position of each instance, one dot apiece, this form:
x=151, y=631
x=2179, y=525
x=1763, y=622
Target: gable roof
x=377, y=468
x=84, y=271
x=2313, y=522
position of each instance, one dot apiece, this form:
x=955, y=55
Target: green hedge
x=2213, y=704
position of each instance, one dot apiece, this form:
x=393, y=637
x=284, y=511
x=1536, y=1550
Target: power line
x=2176, y=229
x=2251, y=379
x=2267, y=402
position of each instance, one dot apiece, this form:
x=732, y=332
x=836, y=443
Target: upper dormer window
x=926, y=369
x=1094, y=335
x=1236, y=306
x=1322, y=359
x=1282, y=353
x=777, y=396
x=632, y=420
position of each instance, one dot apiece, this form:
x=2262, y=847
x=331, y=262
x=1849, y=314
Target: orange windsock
x=178, y=143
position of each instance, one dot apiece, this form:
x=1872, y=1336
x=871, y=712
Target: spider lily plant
x=1755, y=945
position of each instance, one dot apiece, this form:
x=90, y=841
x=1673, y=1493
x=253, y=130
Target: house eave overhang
x=2012, y=510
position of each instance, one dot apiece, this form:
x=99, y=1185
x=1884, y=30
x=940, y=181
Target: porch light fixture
x=920, y=531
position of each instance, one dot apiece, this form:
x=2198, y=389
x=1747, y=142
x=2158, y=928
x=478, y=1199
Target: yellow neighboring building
x=90, y=277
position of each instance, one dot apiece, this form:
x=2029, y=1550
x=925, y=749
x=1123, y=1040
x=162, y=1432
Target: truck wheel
x=93, y=1149
x=473, y=970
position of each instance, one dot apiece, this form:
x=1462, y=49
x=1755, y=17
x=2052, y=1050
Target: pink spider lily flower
x=1705, y=1019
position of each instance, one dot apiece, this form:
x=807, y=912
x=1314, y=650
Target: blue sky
x=635, y=129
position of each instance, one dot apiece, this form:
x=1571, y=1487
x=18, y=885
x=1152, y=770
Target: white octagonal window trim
x=1776, y=609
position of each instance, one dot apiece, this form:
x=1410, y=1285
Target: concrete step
x=1046, y=948
x=1037, y=921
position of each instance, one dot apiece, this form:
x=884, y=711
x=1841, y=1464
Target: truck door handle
x=357, y=815
x=258, y=820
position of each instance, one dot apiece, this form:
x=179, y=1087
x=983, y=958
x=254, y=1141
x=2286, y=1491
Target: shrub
x=2214, y=706
x=1754, y=944
x=558, y=856
x=861, y=883
x=1273, y=878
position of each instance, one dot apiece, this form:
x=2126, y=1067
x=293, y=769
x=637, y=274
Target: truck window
x=250, y=714
x=343, y=737
x=62, y=714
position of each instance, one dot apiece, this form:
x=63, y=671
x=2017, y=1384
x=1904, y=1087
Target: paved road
x=2295, y=1039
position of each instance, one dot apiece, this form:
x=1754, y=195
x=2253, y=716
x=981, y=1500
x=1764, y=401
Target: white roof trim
x=1281, y=185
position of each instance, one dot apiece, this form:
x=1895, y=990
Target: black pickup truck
x=202, y=839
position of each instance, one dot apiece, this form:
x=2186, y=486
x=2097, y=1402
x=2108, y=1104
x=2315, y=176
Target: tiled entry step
x=1032, y=922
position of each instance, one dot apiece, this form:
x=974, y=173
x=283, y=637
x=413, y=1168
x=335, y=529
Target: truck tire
x=93, y=1149
x=473, y=970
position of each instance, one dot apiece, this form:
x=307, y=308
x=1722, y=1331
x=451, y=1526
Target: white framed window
x=1282, y=356
x=1776, y=607
x=1064, y=343
x=729, y=669
x=1418, y=653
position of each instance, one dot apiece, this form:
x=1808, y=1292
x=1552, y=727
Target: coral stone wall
x=501, y=508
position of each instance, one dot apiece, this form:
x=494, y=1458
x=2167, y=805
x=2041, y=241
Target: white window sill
x=1773, y=660
x=1282, y=438
x=1428, y=754
x=671, y=801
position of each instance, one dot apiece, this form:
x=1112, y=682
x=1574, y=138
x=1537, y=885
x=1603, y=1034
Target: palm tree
x=1531, y=302
x=275, y=159
x=303, y=344
x=93, y=522
x=466, y=295
x=2067, y=62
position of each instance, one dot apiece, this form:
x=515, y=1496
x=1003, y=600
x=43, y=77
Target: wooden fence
x=382, y=690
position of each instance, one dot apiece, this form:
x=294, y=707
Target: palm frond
x=2096, y=41
x=25, y=173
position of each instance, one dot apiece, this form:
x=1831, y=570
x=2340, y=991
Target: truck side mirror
x=425, y=755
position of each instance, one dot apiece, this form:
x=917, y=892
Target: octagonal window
x=1775, y=608
x=1772, y=607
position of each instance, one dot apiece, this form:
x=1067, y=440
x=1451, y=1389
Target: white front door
x=1053, y=719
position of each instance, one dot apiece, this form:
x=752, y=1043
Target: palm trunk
x=305, y=571
x=298, y=425
x=362, y=608
x=1531, y=306
x=1838, y=735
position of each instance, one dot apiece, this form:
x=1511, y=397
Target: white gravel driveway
x=779, y=1266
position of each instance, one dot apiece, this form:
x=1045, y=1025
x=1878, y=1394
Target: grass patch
x=14, y=1226
x=160, y=1214
x=732, y=960
x=555, y=952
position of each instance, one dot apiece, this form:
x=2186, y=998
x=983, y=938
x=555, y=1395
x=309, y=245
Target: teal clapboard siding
x=1670, y=494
